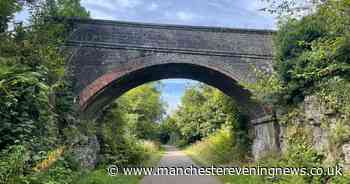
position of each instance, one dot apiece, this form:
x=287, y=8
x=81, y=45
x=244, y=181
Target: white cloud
x=153, y=6
x=114, y=4
x=101, y=15
x=112, y=9
x=185, y=16
x=214, y=4
x=127, y=3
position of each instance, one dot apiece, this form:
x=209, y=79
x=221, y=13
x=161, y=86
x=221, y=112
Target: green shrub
x=218, y=148
x=243, y=180
x=57, y=174
x=313, y=49
x=299, y=154
x=340, y=180
x=12, y=164
x=150, y=147
x=15, y=169
x=102, y=177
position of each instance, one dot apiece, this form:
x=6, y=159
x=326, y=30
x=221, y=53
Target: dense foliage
x=39, y=127
x=35, y=97
x=125, y=124
x=33, y=88
x=312, y=60
x=143, y=109
x=313, y=49
x=219, y=148
x=204, y=111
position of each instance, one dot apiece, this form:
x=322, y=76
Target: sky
x=220, y=13
x=173, y=90
x=227, y=13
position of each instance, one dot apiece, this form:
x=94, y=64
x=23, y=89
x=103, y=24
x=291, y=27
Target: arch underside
x=113, y=84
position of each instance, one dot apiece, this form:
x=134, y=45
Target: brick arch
x=113, y=84
x=107, y=58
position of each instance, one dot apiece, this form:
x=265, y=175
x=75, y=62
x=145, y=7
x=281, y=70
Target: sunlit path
x=175, y=158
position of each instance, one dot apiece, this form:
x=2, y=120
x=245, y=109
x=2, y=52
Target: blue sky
x=222, y=13
x=172, y=91
x=228, y=13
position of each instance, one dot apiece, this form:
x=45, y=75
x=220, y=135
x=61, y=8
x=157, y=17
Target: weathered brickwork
x=110, y=58
x=224, y=41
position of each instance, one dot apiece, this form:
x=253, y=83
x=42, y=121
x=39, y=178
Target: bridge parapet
x=195, y=39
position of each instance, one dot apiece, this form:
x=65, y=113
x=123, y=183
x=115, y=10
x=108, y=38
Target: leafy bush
x=340, y=180
x=130, y=152
x=312, y=58
x=203, y=111
x=313, y=49
x=14, y=169
x=126, y=122
x=299, y=154
x=218, y=148
x=57, y=174
x=12, y=164
x=152, y=152
x=33, y=86
x=24, y=113
x=101, y=177
x=150, y=147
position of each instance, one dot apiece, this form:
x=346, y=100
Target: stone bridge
x=109, y=58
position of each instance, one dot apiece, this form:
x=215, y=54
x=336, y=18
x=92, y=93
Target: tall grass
x=220, y=149
x=101, y=177
x=216, y=149
x=149, y=152
x=152, y=152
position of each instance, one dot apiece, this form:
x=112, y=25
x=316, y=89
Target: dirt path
x=175, y=158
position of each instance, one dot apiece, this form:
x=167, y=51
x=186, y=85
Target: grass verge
x=100, y=176
x=219, y=150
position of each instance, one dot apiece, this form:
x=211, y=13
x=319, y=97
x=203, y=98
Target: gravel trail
x=175, y=158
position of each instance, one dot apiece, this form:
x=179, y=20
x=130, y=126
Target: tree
x=133, y=116
x=203, y=111
x=169, y=131
x=313, y=49
x=32, y=78
x=144, y=109
x=71, y=8
x=35, y=97
x=189, y=115
x=7, y=10
x=292, y=8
